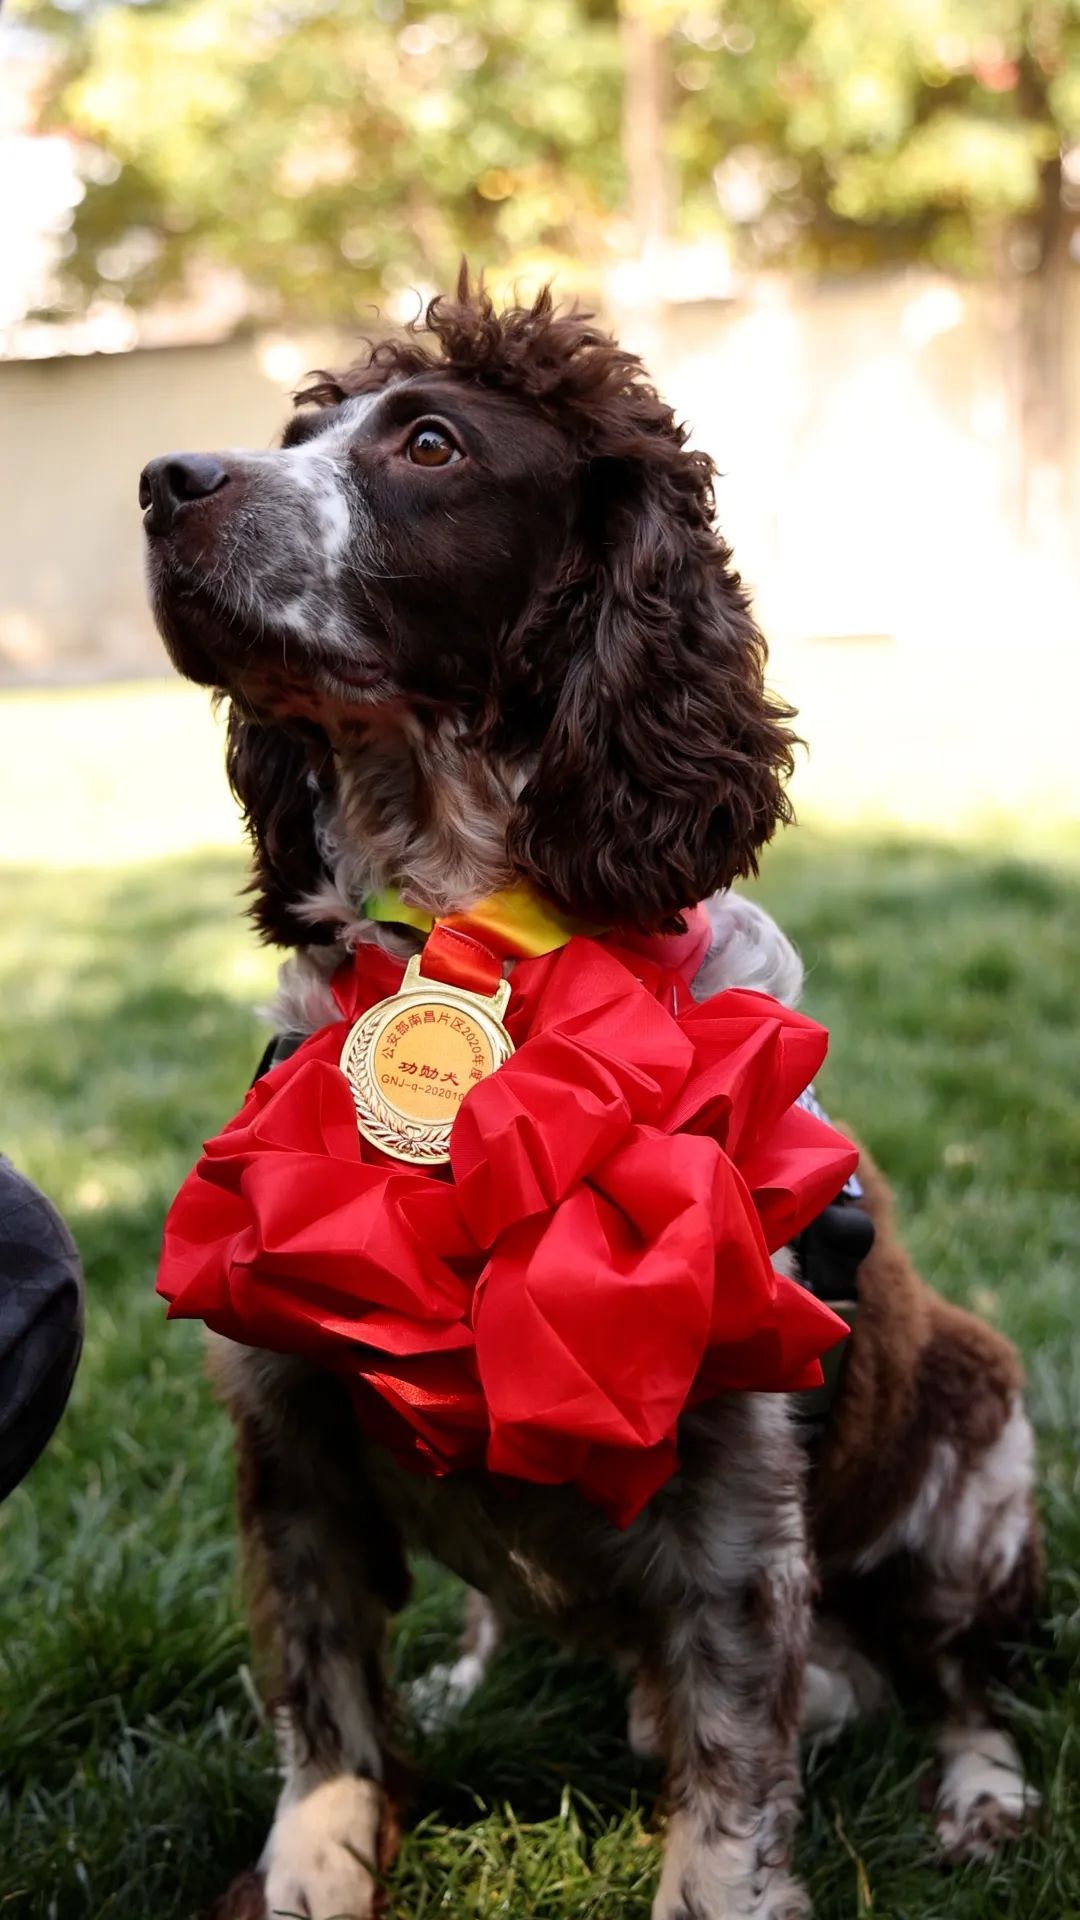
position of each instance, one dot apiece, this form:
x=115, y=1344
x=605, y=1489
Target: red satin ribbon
x=594, y=1262
x=460, y=961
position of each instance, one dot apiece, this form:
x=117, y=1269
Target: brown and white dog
x=475, y=625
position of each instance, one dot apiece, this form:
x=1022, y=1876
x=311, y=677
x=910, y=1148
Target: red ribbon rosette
x=595, y=1261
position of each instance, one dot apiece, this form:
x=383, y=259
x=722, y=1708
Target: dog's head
x=497, y=522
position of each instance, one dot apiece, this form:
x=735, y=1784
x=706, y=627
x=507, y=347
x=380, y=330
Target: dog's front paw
x=984, y=1800
x=710, y=1875
x=781, y=1899
x=321, y=1853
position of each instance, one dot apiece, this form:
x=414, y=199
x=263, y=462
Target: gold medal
x=411, y=1059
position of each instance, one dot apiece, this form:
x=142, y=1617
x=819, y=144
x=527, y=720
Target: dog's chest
x=548, y=1558
x=541, y=1553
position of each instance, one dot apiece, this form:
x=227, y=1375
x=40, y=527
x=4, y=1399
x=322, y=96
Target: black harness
x=281, y=1047
x=827, y=1255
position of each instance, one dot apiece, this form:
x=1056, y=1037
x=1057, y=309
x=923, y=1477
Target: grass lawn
x=136, y=1774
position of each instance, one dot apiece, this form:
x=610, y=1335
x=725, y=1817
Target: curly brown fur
x=641, y=653
x=556, y=602
x=919, y=1373
x=274, y=774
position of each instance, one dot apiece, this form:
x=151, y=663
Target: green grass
x=136, y=1772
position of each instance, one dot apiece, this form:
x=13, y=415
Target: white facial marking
x=320, y=469
x=301, y=527
x=335, y=521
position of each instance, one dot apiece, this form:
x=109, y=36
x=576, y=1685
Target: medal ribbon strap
x=516, y=924
x=458, y=960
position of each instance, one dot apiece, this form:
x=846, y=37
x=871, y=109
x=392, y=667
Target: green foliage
x=848, y=132
x=332, y=153
x=134, y=1774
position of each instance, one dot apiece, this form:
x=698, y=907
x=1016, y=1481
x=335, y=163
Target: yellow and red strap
x=516, y=924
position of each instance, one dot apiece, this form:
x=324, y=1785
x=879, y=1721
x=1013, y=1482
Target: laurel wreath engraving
x=424, y=1143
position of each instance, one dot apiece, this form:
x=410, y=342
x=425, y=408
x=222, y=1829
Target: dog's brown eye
x=431, y=447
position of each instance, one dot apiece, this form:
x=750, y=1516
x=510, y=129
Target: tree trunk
x=645, y=113
x=1041, y=317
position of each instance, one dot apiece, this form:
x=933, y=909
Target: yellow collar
x=517, y=923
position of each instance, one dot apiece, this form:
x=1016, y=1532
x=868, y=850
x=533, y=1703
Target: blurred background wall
x=865, y=430
x=845, y=240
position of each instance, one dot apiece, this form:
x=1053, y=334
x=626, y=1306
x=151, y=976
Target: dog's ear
x=274, y=774
x=662, y=771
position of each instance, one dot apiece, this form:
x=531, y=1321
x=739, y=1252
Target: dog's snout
x=168, y=485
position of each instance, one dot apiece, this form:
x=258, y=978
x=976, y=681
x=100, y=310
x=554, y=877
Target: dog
x=475, y=627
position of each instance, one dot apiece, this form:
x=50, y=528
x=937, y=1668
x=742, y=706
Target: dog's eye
x=431, y=447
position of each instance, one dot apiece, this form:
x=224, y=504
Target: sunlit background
x=845, y=238
x=845, y=235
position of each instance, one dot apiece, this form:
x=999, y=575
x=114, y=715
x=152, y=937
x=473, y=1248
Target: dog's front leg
x=326, y=1566
x=727, y=1686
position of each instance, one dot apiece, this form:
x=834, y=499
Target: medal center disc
x=427, y=1056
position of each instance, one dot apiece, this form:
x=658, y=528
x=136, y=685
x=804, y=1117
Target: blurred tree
x=842, y=134
x=848, y=134
x=332, y=150
x=287, y=136
x=645, y=29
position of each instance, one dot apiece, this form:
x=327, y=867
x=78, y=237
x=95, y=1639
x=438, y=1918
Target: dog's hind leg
x=975, y=1588
x=924, y=1525
x=941, y=1599
x=327, y=1567
x=983, y=1797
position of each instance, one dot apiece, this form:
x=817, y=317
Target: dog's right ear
x=274, y=774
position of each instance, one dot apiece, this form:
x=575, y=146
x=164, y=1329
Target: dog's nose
x=168, y=485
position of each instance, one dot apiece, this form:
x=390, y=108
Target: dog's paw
x=781, y=1899
x=244, y=1899
x=321, y=1851
x=983, y=1800
x=706, y=1876
x=435, y=1698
